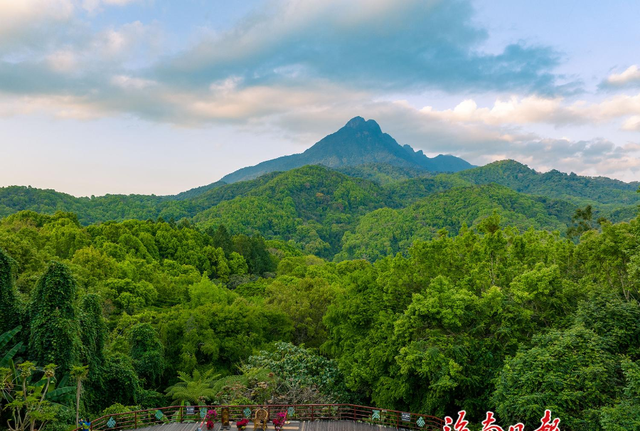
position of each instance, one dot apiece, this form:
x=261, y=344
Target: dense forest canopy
x=313, y=207
x=429, y=293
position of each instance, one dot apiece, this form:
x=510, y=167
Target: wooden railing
x=295, y=412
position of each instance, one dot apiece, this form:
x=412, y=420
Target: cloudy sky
x=159, y=96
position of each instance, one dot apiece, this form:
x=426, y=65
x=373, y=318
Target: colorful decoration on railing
x=111, y=422
x=375, y=415
x=225, y=418
x=191, y=410
x=247, y=412
x=278, y=422
x=159, y=415
x=420, y=422
x=291, y=411
x=203, y=412
x=242, y=423
x=210, y=418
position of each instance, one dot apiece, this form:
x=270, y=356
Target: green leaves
x=28, y=400
x=54, y=321
x=577, y=372
x=9, y=304
x=303, y=368
x=8, y=352
x=195, y=388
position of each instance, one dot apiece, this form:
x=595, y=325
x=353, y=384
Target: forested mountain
x=314, y=206
x=388, y=231
x=574, y=188
x=357, y=193
x=384, y=174
x=359, y=142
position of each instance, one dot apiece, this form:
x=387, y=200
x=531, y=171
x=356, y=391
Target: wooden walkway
x=290, y=426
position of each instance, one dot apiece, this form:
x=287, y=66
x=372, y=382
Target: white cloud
x=15, y=14
x=27, y=22
x=113, y=42
x=62, y=61
x=632, y=124
x=629, y=76
x=535, y=109
x=129, y=82
x=95, y=5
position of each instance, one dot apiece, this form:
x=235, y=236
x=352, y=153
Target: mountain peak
x=359, y=142
x=360, y=123
x=355, y=122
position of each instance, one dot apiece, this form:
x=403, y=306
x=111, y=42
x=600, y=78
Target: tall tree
x=9, y=309
x=54, y=323
x=94, y=331
x=147, y=352
x=222, y=239
x=79, y=374
x=582, y=221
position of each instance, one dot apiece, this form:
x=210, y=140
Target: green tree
x=9, y=306
x=94, y=331
x=625, y=414
x=193, y=388
x=147, y=353
x=79, y=374
x=582, y=221
x=54, y=320
x=116, y=382
x=222, y=239
x=305, y=301
x=303, y=368
x=255, y=252
x=576, y=372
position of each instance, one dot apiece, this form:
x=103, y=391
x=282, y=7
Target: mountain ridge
x=358, y=142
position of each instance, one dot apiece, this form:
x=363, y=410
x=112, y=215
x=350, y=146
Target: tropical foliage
x=430, y=294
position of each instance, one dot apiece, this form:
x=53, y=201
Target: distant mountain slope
x=581, y=190
x=359, y=142
x=89, y=210
x=382, y=173
x=196, y=191
x=312, y=205
x=388, y=231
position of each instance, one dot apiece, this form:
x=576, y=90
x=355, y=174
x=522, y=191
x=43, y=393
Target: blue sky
x=157, y=96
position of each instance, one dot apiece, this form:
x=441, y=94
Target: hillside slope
x=388, y=231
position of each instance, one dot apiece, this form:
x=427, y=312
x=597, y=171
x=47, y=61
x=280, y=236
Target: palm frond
x=7, y=336
x=5, y=360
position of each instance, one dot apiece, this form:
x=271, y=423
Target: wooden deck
x=290, y=426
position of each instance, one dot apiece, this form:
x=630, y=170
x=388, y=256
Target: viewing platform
x=300, y=417
x=290, y=426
